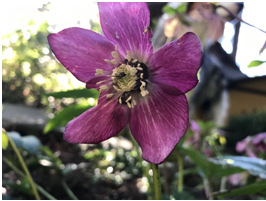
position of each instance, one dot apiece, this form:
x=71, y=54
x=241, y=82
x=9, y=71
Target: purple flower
x=137, y=87
x=253, y=145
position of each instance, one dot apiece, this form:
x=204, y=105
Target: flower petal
x=101, y=122
x=92, y=83
x=81, y=51
x=159, y=124
x=175, y=65
x=126, y=25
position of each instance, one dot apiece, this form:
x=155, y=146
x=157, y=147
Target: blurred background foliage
x=205, y=164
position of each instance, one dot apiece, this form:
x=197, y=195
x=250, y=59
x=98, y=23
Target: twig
x=238, y=18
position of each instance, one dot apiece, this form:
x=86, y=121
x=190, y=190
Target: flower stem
x=180, y=173
x=208, y=188
x=25, y=168
x=69, y=191
x=156, y=182
x=166, y=186
x=145, y=169
x=40, y=189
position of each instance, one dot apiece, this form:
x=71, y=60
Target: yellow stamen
x=107, y=61
x=129, y=98
x=128, y=56
x=109, y=95
x=103, y=87
x=114, y=62
x=114, y=54
x=134, y=61
x=99, y=72
x=128, y=104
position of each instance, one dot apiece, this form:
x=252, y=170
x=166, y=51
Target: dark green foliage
x=76, y=93
x=251, y=189
x=239, y=127
x=65, y=115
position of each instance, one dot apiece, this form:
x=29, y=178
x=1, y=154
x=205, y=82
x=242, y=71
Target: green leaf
x=24, y=186
x=207, y=167
x=259, y=187
x=51, y=155
x=169, y=10
x=4, y=141
x=255, y=63
x=65, y=115
x=255, y=166
x=76, y=93
x=182, y=8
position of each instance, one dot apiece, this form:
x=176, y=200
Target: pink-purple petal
x=159, y=124
x=99, y=123
x=92, y=83
x=81, y=51
x=127, y=25
x=175, y=65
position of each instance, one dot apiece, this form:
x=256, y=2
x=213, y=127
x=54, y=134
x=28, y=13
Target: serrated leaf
x=255, y=166
x=76, y=93
x=4, y=141
x=65, y=115
x=255, y=63
x=259, y=187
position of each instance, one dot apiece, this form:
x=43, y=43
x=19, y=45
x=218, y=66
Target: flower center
x=128, y=79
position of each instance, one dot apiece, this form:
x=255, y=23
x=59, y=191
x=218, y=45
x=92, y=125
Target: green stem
x=223, y=184
x=69, y=191
x=145, y=169
x=166, y=186
x=40, y=189
x=208, y=188
x=25, y=168
x=180, y=173
x=156, y=182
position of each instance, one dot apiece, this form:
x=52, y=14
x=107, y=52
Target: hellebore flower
x=137, y=87
x=252, y=145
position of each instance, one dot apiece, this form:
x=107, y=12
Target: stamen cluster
x=128, y=79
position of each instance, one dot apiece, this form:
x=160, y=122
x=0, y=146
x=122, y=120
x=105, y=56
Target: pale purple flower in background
x=259, y=141
x=253, y=145
x=137, y=87
x=195, y=128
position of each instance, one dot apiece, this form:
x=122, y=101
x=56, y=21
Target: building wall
x=241, y=102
